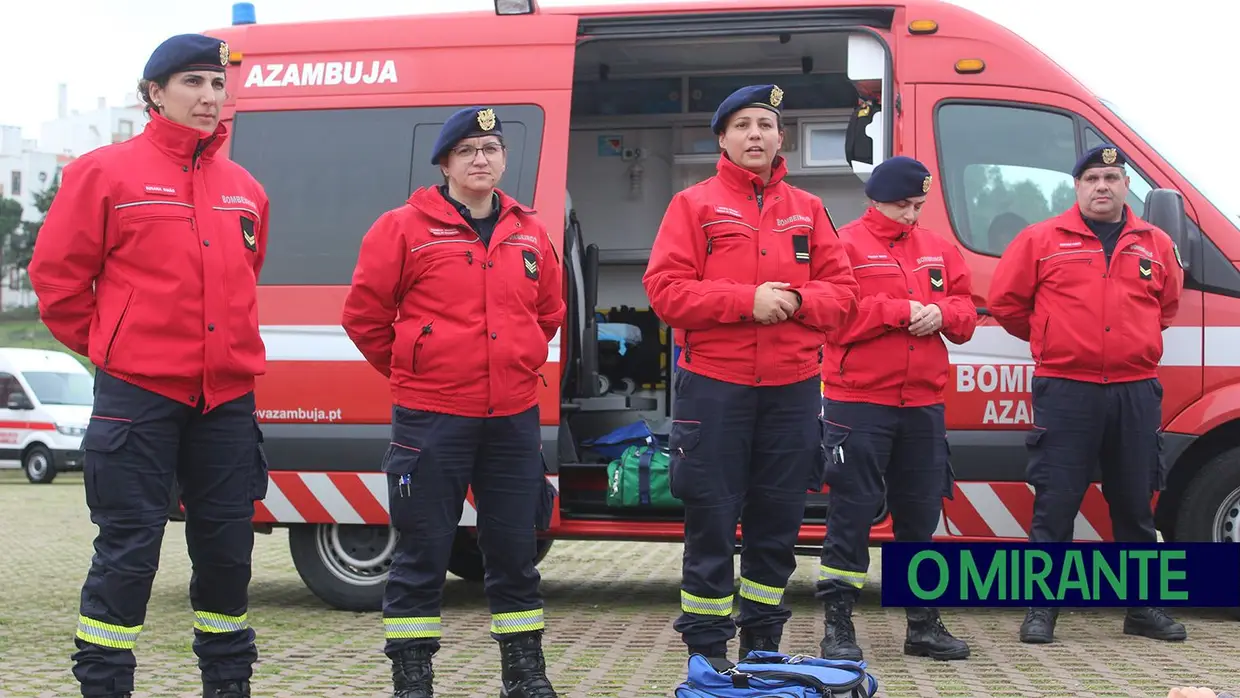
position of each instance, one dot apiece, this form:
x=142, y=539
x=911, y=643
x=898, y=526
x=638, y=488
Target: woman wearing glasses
x=455, y=297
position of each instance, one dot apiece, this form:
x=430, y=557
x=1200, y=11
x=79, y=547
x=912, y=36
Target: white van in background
x=45, y=404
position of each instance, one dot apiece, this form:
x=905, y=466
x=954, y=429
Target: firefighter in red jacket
x=747, y=271
x=1091, y=290
x=455, y=298
x=884, y=376
x=147, y=264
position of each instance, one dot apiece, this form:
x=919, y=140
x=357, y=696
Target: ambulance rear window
x=329, y=173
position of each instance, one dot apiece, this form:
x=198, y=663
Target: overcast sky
x=1169, y=66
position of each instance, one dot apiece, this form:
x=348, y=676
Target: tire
x=1210, y=508
x=345, y=566
x=466, y=558
x=38, y=465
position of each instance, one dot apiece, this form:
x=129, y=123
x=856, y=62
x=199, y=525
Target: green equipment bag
x=641, y=477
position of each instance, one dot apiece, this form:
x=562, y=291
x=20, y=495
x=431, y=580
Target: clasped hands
x=924, y=319
x=772, y=303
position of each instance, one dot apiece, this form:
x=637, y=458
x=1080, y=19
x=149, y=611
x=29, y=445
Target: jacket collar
x=182, y=142
x=742, y=179
x=883, y=227
x=432, y=203
x=1073, y=222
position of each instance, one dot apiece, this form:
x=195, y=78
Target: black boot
x=718, y=650
x=763, y=642
x=928, y=637
x=1153, y=623
x=412, y=673
x=839, y=637
x=226, y=689
x=524, y=669
x=1039, y=626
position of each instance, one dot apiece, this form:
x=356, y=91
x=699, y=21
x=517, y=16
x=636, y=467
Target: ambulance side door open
x=1003, y=158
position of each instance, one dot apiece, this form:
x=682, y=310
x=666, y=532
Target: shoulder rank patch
x=530, y=260
x=1147, y=269
x=936, y=279
x=247, y=234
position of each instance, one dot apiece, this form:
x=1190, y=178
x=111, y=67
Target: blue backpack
x=775, y=675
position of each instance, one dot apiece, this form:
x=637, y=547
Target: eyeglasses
x=490, y=151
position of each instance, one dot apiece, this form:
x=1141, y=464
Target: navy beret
x=466, y=123
x=1105, y=155
x=186, y=52
x=897, y=179
x=765, y=96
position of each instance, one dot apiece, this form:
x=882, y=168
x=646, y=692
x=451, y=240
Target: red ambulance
x=606, y=113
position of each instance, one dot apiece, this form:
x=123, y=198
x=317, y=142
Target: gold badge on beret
x=777, y=96
x=486, y=119
x=925, y=184
x=1108, y=156
x=224, y=53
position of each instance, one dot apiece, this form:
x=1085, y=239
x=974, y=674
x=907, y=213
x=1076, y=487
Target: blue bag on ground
x=613, y=445
x=775, y=675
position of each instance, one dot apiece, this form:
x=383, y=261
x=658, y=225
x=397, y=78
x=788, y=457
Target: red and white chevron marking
x=979, y=510
x=1005, y=510
x=342, y=498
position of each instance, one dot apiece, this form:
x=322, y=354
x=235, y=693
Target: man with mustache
x=1092, y=290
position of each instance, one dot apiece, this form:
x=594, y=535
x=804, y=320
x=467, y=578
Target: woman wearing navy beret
x=455, y=298
x=148, y=264
x=884, y=377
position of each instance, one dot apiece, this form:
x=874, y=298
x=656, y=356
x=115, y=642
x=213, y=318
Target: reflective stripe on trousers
x=106, y=634
x=849, y=577
x=703, y=606
x=411, y=628
x=517, y=622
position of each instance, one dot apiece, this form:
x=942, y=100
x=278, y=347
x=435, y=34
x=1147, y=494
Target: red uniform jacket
x=458, y=327
x=148, y=262
x=872, y=357
x=717, y=245
x=1084, y=320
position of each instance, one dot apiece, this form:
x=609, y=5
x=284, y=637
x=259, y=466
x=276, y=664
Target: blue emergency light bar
x=243, y=13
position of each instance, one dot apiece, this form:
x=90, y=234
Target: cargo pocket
x=103, y=445
x=833, y=446
x=546, y=503
x=261, y=469
x=949, y=473
x=1035, y=467
x=819, y=473
x=682, y=442
x=400, y=464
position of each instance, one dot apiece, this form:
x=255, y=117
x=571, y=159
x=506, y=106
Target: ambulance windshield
x=1226, y=200
x=55, y=388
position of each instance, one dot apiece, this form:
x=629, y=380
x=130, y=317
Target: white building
x=26, y=171
x=76, y=133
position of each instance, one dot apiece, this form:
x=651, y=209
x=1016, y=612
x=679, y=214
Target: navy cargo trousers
x=432, y=460
x=1080, y=426
x=137, y=444
x=877, y=452
x=749, y=454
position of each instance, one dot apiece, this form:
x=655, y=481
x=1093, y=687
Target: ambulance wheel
x=1210, y=509
x=38, y=464
x=466, y=558
x=346, y=566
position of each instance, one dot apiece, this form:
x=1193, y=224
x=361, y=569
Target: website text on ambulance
x=299, y=415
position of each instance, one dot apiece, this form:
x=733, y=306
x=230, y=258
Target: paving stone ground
x=610, y=607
